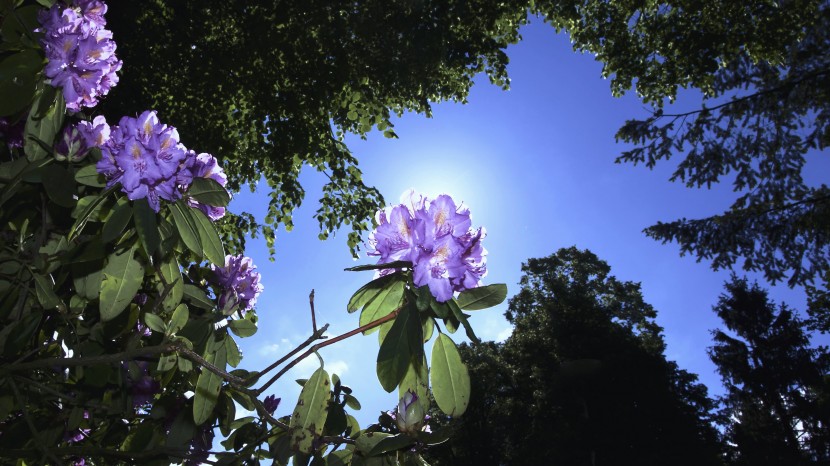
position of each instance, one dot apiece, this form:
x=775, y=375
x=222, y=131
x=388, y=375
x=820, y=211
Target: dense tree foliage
x=776, y=409
x=762, y=70
x=271, y=87
x=582, y=380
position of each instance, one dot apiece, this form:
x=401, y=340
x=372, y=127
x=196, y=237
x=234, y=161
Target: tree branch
x=315, y=348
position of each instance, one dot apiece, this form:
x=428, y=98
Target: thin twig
x=313, y=318
x=316, y=336
x=318, y=346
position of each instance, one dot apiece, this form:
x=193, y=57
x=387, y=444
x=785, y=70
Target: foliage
x=582, y=380
x=273, y=87
x=775, y=410
x=120, y=312
x=761, y=69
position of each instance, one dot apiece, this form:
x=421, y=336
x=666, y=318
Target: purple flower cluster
x=81, y=52
x=436, y=236
x=142, y=386
x=271, y=403
x=146, y=157
x=239, y=284
x=78, y=139
x=206, y=166
x=12, y=133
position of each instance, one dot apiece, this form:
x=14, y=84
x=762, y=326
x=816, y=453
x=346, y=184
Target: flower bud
x=410, y=414
x=72, y=145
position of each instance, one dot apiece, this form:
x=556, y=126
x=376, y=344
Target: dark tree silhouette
x=582, y=380
x=775, y=410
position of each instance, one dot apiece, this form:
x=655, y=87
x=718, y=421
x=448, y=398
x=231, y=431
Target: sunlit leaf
x=209, y=384
x=122, y=277
x=449, y=377
x=309, y=415
x=208, y=192
x=482, y=297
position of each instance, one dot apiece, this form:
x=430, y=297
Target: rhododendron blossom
x=436, y=236
x=145, y=156
x=238, y=284
x=206, y=166
x=81, y=52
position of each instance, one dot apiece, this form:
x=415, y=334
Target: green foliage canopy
x=761, y=68
x=270, y=88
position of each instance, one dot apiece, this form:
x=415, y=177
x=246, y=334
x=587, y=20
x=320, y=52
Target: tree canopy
x=761, y=68
x=582, y=380
x=271, y=87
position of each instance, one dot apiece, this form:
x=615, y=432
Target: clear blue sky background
x=535, y=165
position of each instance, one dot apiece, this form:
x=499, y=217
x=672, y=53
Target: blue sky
x=535, y=165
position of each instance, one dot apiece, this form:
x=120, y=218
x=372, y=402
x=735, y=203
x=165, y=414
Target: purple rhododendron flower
x=76, y=142
x=12, y=133
x=81, y=52
x=78, y=434
x=409, y=416
x=206, y=166
x=436, y=236
x=145, y=156
x=239, y=284
x=200, y=446
x=142, y=386
x=271, y=403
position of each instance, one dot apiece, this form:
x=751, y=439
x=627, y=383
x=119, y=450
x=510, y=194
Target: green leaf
x=462, y=318
x=44, y=289
x=392, y=443
x=428, y=327
x=122, y=279
x=367, y=440
x=209, y=384
x=388, y=265
x=385, y=302
x=154, y=322
x=482, y=297
x=198, y=298
x=40, y=131
x=209, y=237
x=440, y=309
x=173, y=278
x=178, y=320
x=397, y=349
x=18, y=80
x=59, y=185
x=147, y=226
x=243, y=327
x=449, y=377
x=339, y=458
x=117, y=221
x=234, y=355
x=368, y=291
x=86, y=213
x=186, y=227
x=167, y=362
x=351, y=402
x=209, y=192
x=309, y=416
x=88, y=176
x=86, y=277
